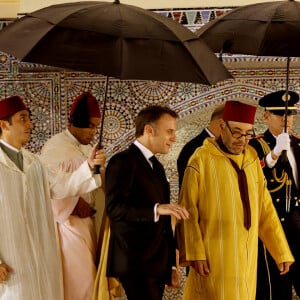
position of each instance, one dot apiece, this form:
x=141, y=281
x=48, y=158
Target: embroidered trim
x=283, y=179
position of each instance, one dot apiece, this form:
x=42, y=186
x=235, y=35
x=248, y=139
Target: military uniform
x=281, y=183
x=285, y=194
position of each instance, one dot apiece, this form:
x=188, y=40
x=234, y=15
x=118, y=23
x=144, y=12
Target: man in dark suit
x=282, y=175
x=213, y=130
x=142, y=249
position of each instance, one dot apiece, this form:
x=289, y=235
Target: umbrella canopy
x=112, y=39
x=264, y=29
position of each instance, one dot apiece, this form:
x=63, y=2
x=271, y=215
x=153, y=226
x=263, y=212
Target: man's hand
x=284, y=267
x=283, y=142
x=175, y=280
x=201, y=267
x=96, y=157
x=4, y=272
x=175, y=210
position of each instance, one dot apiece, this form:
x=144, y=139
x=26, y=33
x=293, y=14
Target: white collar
x=209, y=132
x=9, y=146
x=146, y=152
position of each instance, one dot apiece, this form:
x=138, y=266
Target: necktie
x=15, y=156
x=155, y=163
x=243, y=187
x=159, y=171
x=19, y=160
x=157, y=167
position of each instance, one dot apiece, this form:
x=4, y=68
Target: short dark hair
x=151, y=114
x=8, y=119
x=218, y=112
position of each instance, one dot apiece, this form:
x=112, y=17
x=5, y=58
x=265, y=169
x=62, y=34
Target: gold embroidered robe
x=215, y=230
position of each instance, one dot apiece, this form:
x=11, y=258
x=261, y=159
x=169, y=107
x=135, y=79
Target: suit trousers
x=143, y=288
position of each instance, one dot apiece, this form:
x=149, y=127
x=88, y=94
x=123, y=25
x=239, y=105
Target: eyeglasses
x=238, y=135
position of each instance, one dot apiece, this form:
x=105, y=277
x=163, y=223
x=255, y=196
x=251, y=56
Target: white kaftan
x=27, y=233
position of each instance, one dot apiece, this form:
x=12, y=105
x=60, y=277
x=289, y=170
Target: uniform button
x=282, y=219
x=277, y=200
x=272, y=180
x=295, y=198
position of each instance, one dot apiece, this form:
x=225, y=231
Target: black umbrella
x=263, y=29
x=112, y=39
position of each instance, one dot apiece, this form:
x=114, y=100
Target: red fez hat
x=239, y=112
x=11, y=105
x=85, y=106
x=92, y=105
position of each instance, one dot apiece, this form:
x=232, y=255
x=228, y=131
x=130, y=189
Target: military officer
x=279, y=152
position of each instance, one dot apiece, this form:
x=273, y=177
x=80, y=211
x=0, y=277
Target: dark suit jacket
x=138, y=245
x=187, y=152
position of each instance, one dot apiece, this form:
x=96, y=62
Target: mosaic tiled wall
x=49, y=92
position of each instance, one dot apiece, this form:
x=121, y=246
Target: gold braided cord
x=284, y=179
x=264, y=146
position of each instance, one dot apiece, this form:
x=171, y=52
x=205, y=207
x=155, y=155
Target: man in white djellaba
x=30, y=266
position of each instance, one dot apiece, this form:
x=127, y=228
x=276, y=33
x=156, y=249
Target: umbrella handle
x=284, y=157
x=97, y=167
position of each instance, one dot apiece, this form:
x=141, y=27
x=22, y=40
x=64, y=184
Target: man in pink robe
x=75, y=217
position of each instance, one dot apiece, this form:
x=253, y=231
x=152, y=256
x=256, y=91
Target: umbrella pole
x=99, y=145
x=284, y=153
x=286, y=93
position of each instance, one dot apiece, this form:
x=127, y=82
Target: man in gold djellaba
x=225, y=193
